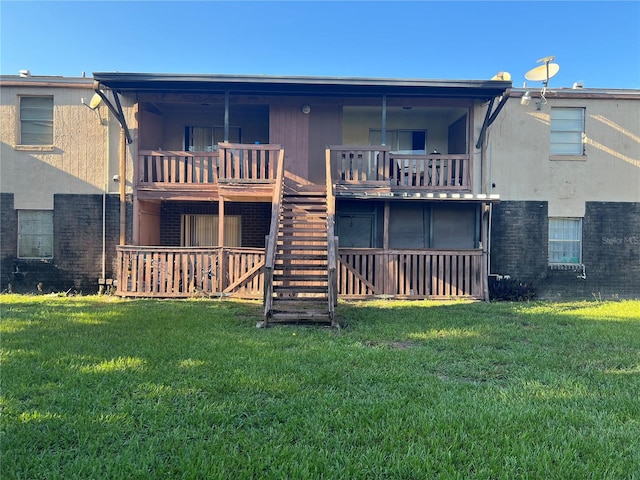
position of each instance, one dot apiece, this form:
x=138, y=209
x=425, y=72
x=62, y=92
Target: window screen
x=36, y=120
x=567, y=130
x=565, y=240
x=35, y=234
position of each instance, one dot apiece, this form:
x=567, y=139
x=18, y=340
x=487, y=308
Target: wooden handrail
x=270, y=249
x=332, y=256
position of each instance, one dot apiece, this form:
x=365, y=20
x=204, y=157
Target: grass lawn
x=99, y=387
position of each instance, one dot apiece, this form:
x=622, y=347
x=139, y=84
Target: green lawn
x=98, y=387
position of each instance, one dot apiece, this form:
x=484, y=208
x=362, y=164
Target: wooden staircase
x=300, y=278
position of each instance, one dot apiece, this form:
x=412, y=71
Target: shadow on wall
x=39, y=276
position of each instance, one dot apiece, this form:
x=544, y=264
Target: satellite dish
x=505, y=76
x=95, y=101
x=542, y=73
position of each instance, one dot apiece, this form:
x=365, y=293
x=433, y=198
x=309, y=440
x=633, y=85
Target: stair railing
x=271, y=242
x=332, y=241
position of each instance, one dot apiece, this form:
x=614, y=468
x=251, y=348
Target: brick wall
x=77, y=246
x=610, y=250
x=8, y=240
x=256, y=218
x=519, y=240
x=78, y=238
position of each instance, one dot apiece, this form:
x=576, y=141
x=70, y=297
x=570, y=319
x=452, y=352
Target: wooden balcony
x=166, y=272
x=182, y=175
x=356, y=167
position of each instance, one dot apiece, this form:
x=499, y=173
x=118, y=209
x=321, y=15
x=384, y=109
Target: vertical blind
x=202, y=231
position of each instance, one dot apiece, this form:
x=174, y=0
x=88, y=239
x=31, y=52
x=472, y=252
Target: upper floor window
x=567, y=131
x=36, y=120
x=403, y=141
x=565, y=240
x=35, y=234
x=206, y=139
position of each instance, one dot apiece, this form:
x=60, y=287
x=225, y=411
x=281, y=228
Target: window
x=206, y=139
x=35, y=234
x=565, y=240
x=567, y=131
x=402, y=141
x=356, y=230
x=36, y=120
x=202, y=230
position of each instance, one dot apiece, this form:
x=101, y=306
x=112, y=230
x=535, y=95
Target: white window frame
x=201, y=230
x=35, y=234
x=35, y=117
x=567, y=131
x=564, y=232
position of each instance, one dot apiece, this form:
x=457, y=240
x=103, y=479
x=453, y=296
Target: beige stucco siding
x=521, y=167
x=75, y=163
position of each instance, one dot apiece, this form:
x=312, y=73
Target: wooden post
x=123, y=185
x=221, y=258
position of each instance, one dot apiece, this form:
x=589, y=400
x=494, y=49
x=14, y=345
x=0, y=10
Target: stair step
x=296, y=316
x=304, y=206
x=301, y=303
x=302, y=257
x=299, y=278
x=295, y=198
x=294, y=289
x=308, y=222
x=303, y=238
x=305, y=215
x=296, y=270
x=301, y=266
x=285, y=230
x=301, y=247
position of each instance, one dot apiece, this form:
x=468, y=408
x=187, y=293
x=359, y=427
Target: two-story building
x=300, y=190
x=567, y=167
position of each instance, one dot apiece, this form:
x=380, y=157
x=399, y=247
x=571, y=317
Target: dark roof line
x=299, y=84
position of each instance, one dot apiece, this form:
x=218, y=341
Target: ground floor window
x=35, y=233
x=411, y=225
x=565, y=240
x=202, y=230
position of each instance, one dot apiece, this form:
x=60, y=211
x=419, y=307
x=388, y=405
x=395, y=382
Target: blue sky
x=596, y=43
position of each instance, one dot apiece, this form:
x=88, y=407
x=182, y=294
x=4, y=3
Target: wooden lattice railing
x=189, y=271
x=371, y=165
x=233, y=162
x=410, y=273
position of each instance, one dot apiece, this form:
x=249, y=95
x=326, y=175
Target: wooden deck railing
x=271, y=241
x=371, y=165
x=189, y=271
x=410, y=273
x=232, y=162
x=332, y=242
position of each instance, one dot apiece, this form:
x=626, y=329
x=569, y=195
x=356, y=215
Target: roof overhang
x=298, y=85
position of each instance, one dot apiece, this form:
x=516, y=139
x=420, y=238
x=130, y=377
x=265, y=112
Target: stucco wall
x=75, y=163
x=520, y=165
